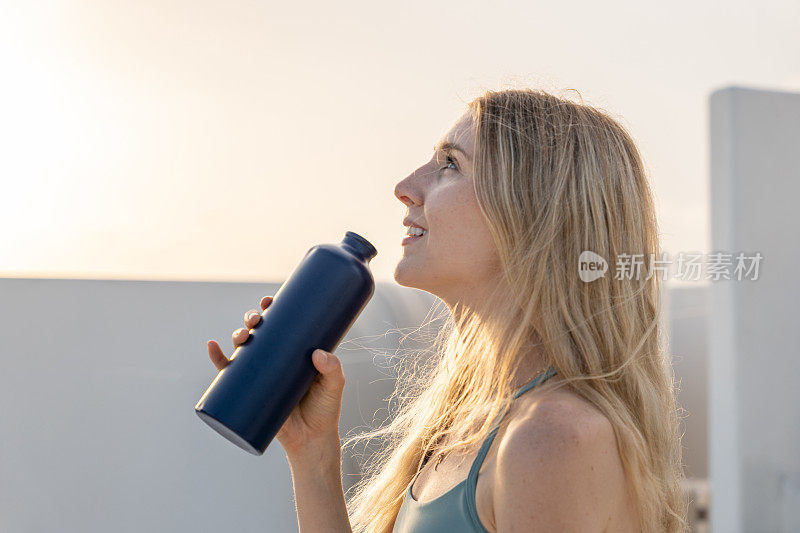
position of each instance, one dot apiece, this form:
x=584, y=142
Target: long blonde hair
x=553, y=178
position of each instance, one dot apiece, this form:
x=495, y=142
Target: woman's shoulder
x=558, y=417
x=560, y=409
x=558, y=451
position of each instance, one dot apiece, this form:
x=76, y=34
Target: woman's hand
x=315, y=420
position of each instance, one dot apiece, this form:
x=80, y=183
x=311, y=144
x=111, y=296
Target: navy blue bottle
x=268, y=375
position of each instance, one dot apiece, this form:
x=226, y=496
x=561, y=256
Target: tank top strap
x=541, y=378
x=472, y=477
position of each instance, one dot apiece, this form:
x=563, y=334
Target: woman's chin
x=405, y=274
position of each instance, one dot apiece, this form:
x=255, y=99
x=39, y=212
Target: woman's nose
x=412, y=187
x=406, y=191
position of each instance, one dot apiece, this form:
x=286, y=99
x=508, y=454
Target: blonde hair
x=553, y=178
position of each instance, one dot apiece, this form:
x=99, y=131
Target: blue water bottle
x=268, y=374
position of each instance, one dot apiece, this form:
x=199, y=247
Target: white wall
x=688, y=316
x=754, y=369
x=97, y=428
x=98, y=431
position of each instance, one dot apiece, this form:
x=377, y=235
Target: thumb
x=331, y=369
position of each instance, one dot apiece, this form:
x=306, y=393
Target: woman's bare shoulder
x=560, y=406
x=558, y=452
x=560, y=416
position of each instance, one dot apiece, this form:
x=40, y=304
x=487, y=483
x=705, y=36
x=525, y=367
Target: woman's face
x=456, y=258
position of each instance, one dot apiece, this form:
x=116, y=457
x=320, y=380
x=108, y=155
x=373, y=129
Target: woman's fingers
x=239, y=336
x=252, y=318
x=216, y=355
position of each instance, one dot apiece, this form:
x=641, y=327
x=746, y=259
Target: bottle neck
x=359, y=246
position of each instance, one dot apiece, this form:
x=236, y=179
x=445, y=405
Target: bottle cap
x=359, y=245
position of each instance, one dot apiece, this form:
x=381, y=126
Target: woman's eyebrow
x=447, y=146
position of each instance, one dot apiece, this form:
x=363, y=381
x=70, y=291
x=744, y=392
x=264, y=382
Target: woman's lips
x=410, y=239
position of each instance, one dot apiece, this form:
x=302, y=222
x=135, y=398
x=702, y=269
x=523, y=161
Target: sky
x=199, y=140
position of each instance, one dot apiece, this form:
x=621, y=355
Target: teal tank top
x=454, y=510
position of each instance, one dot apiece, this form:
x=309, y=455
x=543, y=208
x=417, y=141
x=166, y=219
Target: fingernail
x=251, y=315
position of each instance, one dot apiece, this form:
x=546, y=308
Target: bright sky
x=220, y=140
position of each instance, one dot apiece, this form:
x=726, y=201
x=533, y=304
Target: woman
x=550, y=406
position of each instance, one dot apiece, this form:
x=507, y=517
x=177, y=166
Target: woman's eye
x=450, y=161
